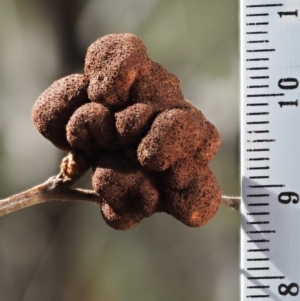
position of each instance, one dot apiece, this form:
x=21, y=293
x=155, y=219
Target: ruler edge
x=242, y=137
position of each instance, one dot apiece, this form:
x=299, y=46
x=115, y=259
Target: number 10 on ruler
x=270, y=149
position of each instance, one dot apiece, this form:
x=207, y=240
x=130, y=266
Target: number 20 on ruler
x=256, y=278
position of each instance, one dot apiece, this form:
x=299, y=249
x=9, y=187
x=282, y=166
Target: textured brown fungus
x=54, y=107
x=210, y=145
x=91, y=127
x=195, y=205
x=148, y=146
x=112, y=64
x=157, y=87
x=128, y=194
x=133, y=122
x=174, y=135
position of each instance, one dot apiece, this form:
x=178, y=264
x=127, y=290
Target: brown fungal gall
x=128, y=194
x=174, y=135
x=112, y=64
x=157, y=87
x=148, y=146
x=197, y=204
x=54, y=107
x=180, y=174
x=125, y=221
x=133, y=122
x=91, y=127
x=210, y=145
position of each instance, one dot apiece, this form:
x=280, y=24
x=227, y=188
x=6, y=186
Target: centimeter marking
x=270, y=147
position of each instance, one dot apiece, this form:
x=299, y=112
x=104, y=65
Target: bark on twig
x=54, y=189
x=231, y=201
x=58, y=189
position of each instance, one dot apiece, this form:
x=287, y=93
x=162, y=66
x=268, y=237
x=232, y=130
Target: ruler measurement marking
x=258, y=213
x=261, y=140
x=258, y=23
x=258, y=259
x=258, y=41
x=259, y=177
x=258, y=68
x=258, y=168
x=258, y=286
x=262, y=232
x=267, y=186
x=261, y=50
x=258, y=86
x=258, y=296
x=257, y=15
x=256, y=113
x=258, y=241
x=266, y=95
x=258, y=195
x=258, y=77
x=265, y=5
x=258, y=132
x=256, y=60
x=258, y=150
x=265, y=277
x=259, y=159
x=258, y=223
x=257, y=205
x=258, y=250
x=258, y=122
x=257, y=32
x=259, y=269
x=257, y=104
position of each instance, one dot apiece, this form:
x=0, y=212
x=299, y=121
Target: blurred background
x=60, y=251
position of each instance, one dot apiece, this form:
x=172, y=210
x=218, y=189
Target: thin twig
x=231, y=201
x=54, y=189
x=58, y=189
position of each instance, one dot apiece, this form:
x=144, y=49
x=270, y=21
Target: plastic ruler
x=270, y=149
